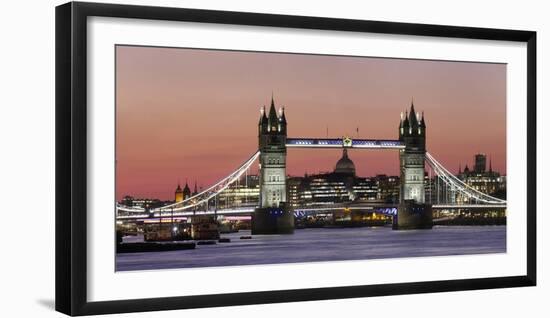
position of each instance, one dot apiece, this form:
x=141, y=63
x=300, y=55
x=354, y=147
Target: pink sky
x=189, y=114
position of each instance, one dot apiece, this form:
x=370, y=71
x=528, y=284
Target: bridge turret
x=262, y=125
x=282, y=119
x=413, y=212
x=272, y=216
x=272, y=144
x=413, y=132
x=405, y=127
x=422, y=126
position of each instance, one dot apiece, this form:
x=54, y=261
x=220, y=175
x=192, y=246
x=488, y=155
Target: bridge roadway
x=384, y=208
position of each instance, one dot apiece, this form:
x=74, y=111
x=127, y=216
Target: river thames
x=325, y=244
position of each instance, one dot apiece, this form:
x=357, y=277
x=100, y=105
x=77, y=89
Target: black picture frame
x=71, y=157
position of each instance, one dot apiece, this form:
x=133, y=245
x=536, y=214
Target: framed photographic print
x=211, y=158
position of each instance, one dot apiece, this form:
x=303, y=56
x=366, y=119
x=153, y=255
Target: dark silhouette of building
x=480, y=163
x=178, y=195
x=182, y=194
x=487, y=181
x=186, y=191
x=340, y=186
x=345, y=165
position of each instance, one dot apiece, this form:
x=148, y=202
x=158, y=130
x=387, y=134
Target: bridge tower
x=272, y=216
x=413, y=212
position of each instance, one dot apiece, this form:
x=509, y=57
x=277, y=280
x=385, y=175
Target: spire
x=272, y=113
x=406, y=123
x=413, y=117
x=283, y=117
x=263, y=117
x=459, y=168
x=490, y=164
x=272, y=103
x=195, y=189
x=186, y=190
x=345, y=153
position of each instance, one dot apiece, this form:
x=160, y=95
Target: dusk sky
x=190, y=114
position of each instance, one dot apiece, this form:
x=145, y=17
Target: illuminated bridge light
x=476, y=199
x=338, y=142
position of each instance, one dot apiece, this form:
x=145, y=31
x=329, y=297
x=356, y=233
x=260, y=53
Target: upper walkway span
x=344, y=142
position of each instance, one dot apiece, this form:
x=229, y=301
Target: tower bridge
x=273, y=215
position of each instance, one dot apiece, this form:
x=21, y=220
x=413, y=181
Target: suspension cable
x=466, y=189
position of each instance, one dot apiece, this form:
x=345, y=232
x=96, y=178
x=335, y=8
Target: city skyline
x=195, y=186
x=187, y=114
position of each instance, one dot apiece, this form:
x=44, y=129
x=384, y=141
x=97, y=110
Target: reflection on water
x=312, y=245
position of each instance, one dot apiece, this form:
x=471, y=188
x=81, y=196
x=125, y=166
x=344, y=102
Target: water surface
x=325, y=244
